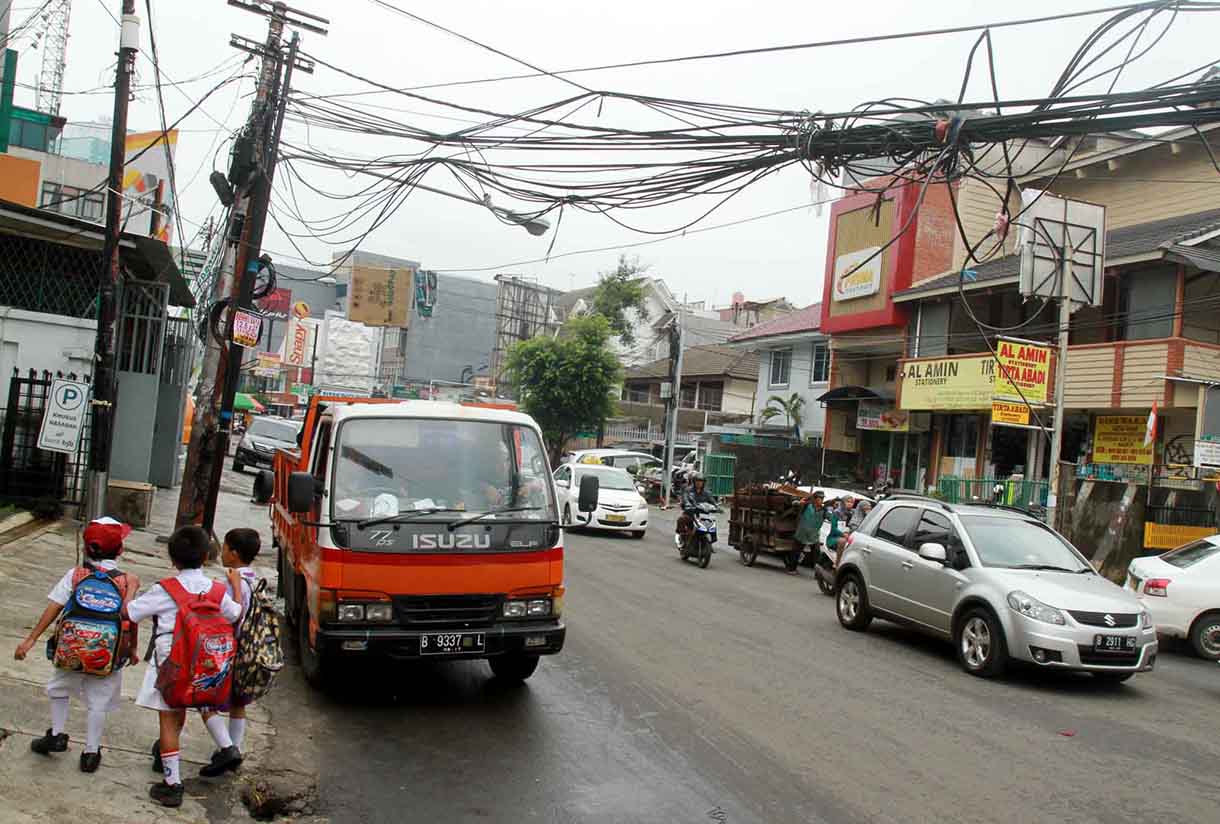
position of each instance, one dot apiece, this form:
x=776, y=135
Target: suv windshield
x=1015, y=543
x=610, y=477
x=385, y=466
x=276, y=430
x=1191, y=553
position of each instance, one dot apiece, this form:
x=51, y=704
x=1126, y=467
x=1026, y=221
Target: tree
x=792, y=408
x=618, y=292
x=565, y=382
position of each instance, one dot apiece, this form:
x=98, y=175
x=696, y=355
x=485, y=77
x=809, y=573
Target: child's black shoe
x=157, y=766
x=167, y=795
x=222, y=761
x=50, y=743
x=90, y=761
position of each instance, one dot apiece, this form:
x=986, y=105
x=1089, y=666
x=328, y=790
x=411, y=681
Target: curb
x=15, y=522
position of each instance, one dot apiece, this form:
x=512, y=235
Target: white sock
x=219, y=728
x=237, y=731
x=169, y=765
x=94, y=726
x=59, y=715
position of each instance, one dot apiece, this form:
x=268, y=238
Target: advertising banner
x=852, y=282
x=276, y=305
x=380, y=296
x=143, y=176
x=1119, y=439
x=1006, y=413
x=879, y=417
x=947, y=384
x=1026, y=367
x=298, y=344
x=246, y=327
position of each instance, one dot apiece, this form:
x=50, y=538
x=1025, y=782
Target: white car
x=1181, y=588
x=635, y=462
x=620, y=506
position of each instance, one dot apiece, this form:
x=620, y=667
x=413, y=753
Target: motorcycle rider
x=696, y=493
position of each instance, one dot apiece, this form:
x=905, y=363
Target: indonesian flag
x=1150, y=429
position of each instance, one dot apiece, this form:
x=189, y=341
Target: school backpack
x=259, y=654
x=92, y=637
x=196, y=673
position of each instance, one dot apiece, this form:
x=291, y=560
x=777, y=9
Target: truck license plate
x=451, y=643
x=1114, y=643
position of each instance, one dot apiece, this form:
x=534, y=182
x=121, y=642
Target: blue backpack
x=91, y=636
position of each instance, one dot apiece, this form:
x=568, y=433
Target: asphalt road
x=732, y=695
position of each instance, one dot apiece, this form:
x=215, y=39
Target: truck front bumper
x=534, y=638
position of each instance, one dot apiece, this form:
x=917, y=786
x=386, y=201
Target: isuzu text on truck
x=419, y=529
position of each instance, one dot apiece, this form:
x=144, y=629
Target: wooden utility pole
x=104, y=387
x=250, y=176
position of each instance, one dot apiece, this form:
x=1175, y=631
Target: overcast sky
x=779, y=256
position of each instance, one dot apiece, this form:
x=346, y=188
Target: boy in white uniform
x=103, y=540
x=188, y=549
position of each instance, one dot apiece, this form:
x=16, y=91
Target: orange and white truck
x=418, y=529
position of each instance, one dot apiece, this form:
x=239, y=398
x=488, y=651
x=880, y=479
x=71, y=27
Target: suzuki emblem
x=1109, y=619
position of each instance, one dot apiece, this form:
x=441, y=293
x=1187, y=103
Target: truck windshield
x=386, y=466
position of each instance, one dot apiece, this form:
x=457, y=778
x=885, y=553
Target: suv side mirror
x=302, y=492
x=589, y=488
x=933, y=552
x=264, y=486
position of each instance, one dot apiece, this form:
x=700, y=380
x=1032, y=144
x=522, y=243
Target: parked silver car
x=997, y=582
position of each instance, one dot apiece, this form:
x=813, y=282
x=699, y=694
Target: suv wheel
x=981, y=649
x=852, y=603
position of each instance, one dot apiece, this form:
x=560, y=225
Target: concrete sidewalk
x=35, y=788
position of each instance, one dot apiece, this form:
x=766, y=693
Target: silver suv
x=997, y=582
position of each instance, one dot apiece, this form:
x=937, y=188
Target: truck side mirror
x=589, y=487
x=302, y=492
x=264, y=486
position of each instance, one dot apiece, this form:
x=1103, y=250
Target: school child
x=97, y=678
x=188, y=548
x=241, y=547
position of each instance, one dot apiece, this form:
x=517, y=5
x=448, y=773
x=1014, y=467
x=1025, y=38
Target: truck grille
x=1098, y=619
x=456, y=611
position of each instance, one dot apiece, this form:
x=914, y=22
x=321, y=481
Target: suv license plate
x=1114, y=643
x=451, y=643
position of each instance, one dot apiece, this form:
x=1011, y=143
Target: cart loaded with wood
x=763, y=519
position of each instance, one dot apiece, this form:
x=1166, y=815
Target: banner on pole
x=246, y=326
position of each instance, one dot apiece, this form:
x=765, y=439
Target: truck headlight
x=1031, y=607
x=514, y=609
x=351, y=612
x=538, y=608
x=379, y=612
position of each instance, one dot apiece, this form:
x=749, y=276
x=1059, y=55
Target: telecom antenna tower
x=54, y=56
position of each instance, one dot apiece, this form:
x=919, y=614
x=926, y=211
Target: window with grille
x=711, y=396
x=636, y=394
x=819, y=371
x=781, y=365
x=688, y=396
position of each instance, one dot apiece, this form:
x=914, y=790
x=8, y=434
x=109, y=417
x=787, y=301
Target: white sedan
x=1181, y=588
x=619, y=504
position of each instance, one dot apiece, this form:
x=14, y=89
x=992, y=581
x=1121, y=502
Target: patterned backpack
x=92, y=637
x=259, y=654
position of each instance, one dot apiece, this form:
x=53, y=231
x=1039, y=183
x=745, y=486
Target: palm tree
x=792, y=408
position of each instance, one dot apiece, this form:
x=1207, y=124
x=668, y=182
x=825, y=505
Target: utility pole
x=251, y=176
x=677, y=336
x=104, y=389
x=1065, y=318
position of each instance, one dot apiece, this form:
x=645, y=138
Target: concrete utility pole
x=251, y=175
x=677, y=338
x=104, y=389
x=1065, y=318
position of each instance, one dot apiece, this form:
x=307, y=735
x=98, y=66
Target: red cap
x=106, y=534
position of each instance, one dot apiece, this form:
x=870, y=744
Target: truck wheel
x=749, y=553
x=513, y=667
x=313, y=662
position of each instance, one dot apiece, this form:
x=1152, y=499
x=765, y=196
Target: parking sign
x=64, y=417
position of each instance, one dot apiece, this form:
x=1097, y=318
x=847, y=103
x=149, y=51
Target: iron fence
x=1182, y=516
x=55, y=278
x=31, y=473
x=1023, y=494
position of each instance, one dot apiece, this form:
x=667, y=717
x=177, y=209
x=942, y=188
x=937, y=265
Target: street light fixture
x=536, y=226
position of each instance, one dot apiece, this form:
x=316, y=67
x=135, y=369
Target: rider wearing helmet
x=696, y=493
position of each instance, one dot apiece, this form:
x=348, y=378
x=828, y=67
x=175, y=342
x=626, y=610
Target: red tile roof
x=803, y=320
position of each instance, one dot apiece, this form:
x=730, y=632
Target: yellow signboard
x=1012, y=414
x=380, y=296
x=947, y=383
x=1024, y=367
x=1119, y=439
x=1168, y=536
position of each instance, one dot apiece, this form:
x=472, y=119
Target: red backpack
x=196, y=674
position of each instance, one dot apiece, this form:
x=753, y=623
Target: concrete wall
x=460, y=333
x=798, y=381
x=34, y=340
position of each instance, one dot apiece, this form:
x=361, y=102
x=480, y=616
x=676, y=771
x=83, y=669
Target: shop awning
x=857, y=393
x=1206, y=258
x=243, y=402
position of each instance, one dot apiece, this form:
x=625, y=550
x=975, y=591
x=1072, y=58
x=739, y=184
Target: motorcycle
x=824, y=569
x=698, y=544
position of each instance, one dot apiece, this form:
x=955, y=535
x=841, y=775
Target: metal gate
x=29, y=472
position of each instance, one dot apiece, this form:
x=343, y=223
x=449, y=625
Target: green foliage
x=565, y=382
x=618, y=292
x=792, y=408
